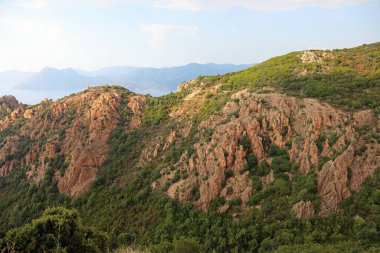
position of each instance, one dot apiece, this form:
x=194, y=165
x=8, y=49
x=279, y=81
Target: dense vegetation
x=58, y=230
x=348, y=78
x=123, y=206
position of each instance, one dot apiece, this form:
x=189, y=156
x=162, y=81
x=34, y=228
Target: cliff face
x=309, y=131
x=74, y=130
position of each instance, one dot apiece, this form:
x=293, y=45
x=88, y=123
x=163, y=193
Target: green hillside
x=122, y=204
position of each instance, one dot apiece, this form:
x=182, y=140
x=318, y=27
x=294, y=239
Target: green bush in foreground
x=58, y=230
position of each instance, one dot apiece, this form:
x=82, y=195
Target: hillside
x=283, y=156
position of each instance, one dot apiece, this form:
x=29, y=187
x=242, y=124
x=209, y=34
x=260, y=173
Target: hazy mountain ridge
x=14, y=77
x=158, y=80
x=54, y=79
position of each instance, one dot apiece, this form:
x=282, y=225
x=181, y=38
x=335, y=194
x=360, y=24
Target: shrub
x=322, y=161
x=228, y=174
x=186, y=245
x=361, y=150
x=58, y=230
x=235, y=202
x=208, y=134
x=176, y=177
x=252, y=160
x=288, y=144
x=245, y=142
x=263, y=168
x=281, y=164
x=275, y=151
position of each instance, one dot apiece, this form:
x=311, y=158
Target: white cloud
x=267, y=5
x=196, y=5
x=39, y=4
x=32, y=4
x=33, y=42
x=160, y=32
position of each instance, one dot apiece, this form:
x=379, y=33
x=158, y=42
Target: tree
x=252, y=160
x=58, y=230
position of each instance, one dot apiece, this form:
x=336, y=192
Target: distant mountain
x=169, y=78
x=53, y=83
x=55, y=79
x=109, y=71
x=14, y=77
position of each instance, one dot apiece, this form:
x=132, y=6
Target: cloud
x=198, y=5
x=159, y=33
x=33, y=42
x=32, y=4
x=39, y=4
x=267, y=5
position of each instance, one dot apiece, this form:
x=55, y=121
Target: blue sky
x=91, y=34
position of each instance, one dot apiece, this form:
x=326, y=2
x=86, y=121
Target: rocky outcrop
x=185, y=85
x=267, y=180
x=10, y=111
x=313, y=130
x=315, y=56
x=364, y=165
x=239, y=187
x=322, y=58
x=303, y=209
x=75, y=129
x=8, y=103
x=333, y=182
x=137, y=104
x=339, y=178
x=316, y=137
x=365, y=117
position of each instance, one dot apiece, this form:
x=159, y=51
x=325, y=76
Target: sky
x=91, y=34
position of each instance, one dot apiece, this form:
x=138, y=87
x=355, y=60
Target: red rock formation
x=282, y=119
x=10, y=110
x=9, y=103
x=303, y=209
x=267, y=180
x=333, y=182
x=76, y=127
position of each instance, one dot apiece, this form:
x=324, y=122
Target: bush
x=208, y=134
x=228, y=174
x=322, y=162
x=281, y=164
x=361, y=150
x=245, y=142
x=59, y=230
x=235, y=202
x=186, y=246
x=263, y=168
x=275, y=151
x=252, y=160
